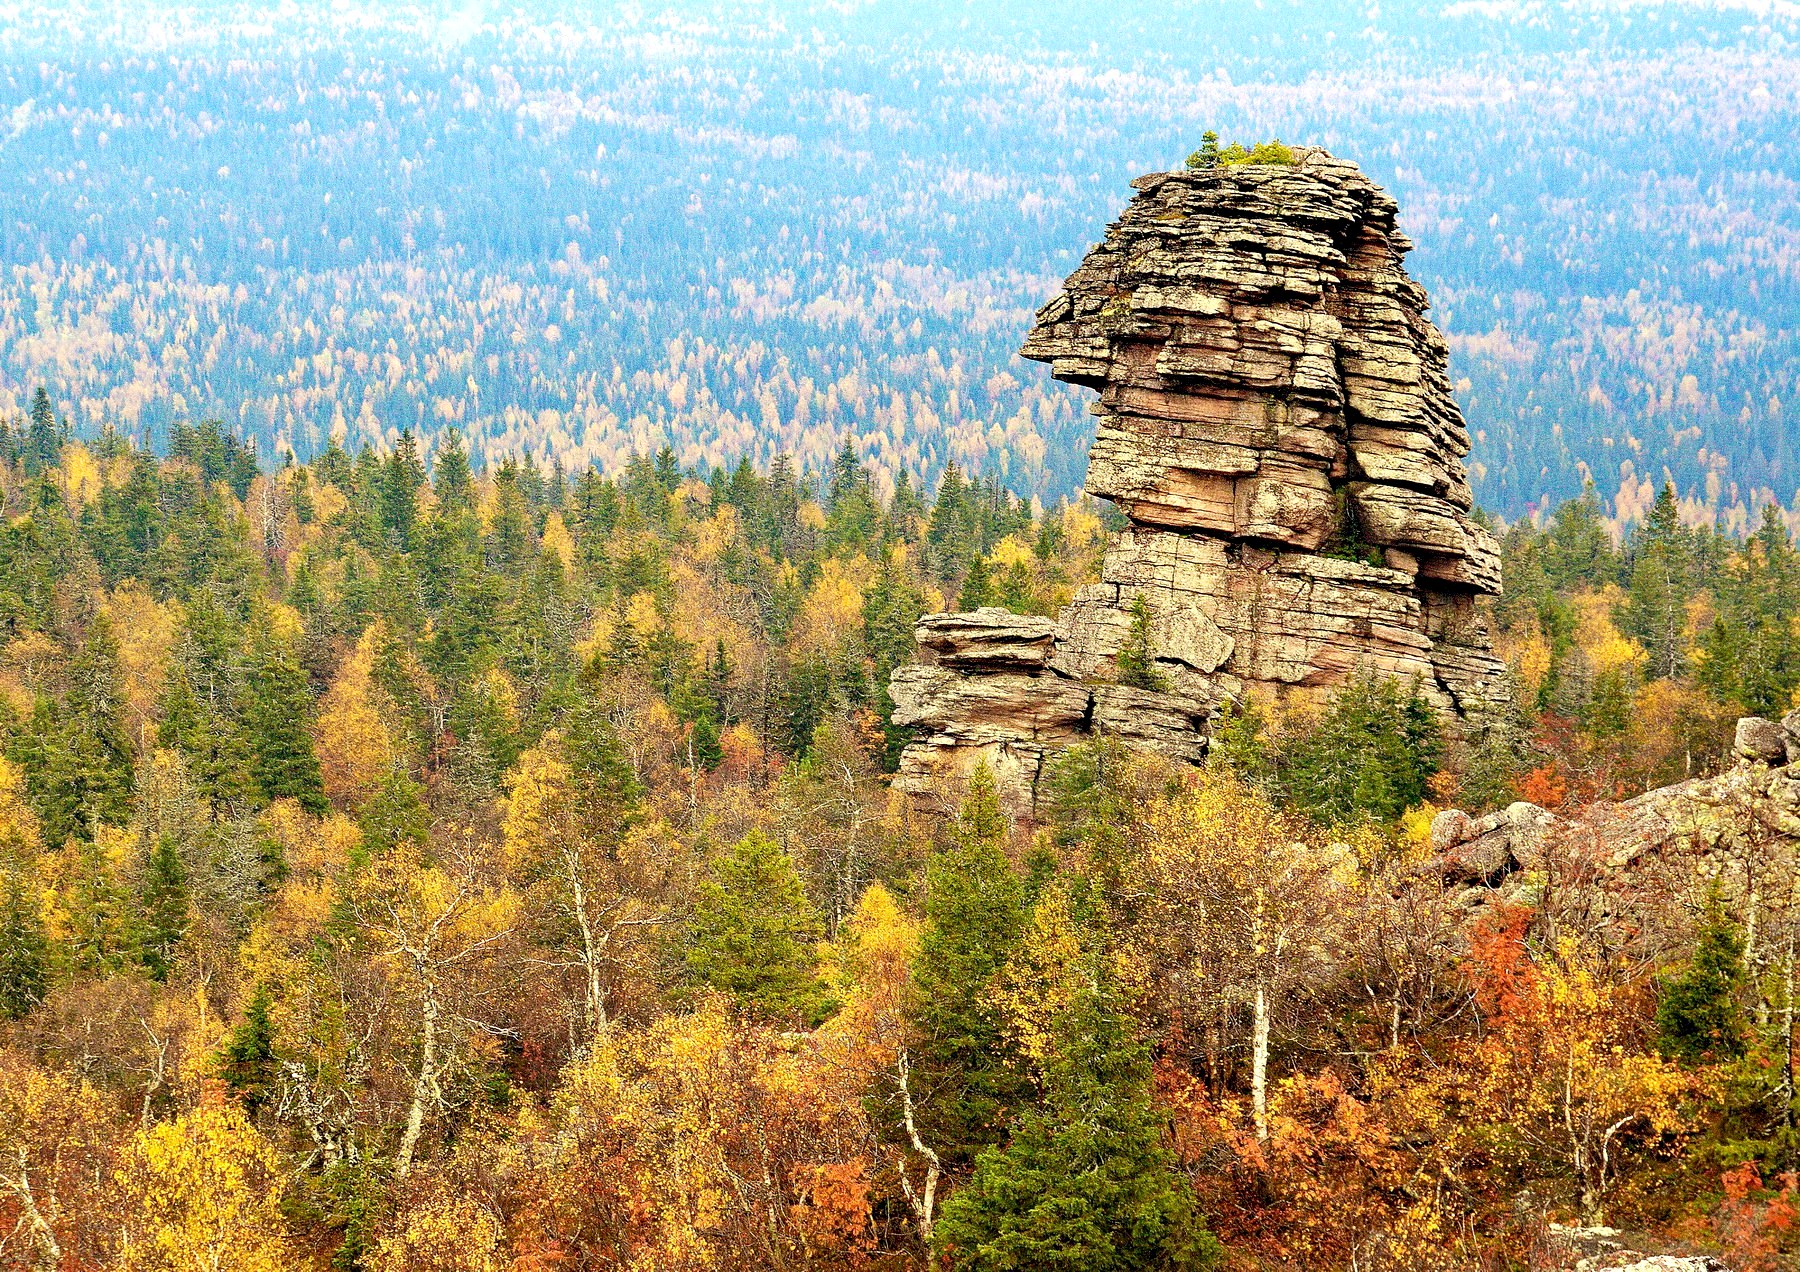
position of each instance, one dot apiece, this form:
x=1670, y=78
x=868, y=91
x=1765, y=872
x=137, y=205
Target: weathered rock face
x=1639, y=850
x=1276, y=421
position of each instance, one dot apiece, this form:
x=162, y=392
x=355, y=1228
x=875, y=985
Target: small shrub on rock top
x=1266, y=152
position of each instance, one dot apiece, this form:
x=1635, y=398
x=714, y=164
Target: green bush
x=1211, y=156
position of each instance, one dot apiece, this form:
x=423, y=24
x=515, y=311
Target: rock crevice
x=1276, y=422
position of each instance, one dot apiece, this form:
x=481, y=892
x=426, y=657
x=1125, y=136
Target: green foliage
x=1085, y=1182
x=247, y=1060
x=24, y=951
x=1263, y=152
x=276, y=711
x=1371, y=753
x=754, y=934
x=977, y=588
x=1088, y=800
x=165, y=907
x=1699, y=1015
x=1137, y=657
x=967, y=1079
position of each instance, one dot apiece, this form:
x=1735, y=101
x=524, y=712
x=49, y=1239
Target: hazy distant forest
x=765, y=228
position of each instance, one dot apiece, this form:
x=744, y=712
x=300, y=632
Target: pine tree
x=24, y=951
x=1137, y=656
x=276, y=713
x=754, y=934
x=1085, y=1182
x=965, y=1076
x=43, y=439
x=977, y=588
x=247, y=1060
x=165, y=908
x=1699, y=1016
x=1655, y=610
x=401, y=478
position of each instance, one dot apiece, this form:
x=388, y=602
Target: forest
x=463, y=867
x=738, y=230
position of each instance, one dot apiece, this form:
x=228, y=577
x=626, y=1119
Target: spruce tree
x=43, y=440
x=247, y=1060
x=977, y=588
x=965, y=1075
x=1137, y=657
x=451, y=479
x=1699, y=1016
x=1655, y=610
x=401, y=478
x=1086, y=1183
x=165, y=908
x=754, y=934
x=276, y=713
x=24, y=951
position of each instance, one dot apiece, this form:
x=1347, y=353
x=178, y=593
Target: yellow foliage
x=356, y=747
x=283, y=621
x=446, y=1234
x=833, y=608
x=717, y=533
x=81, y=478
x=18, y=824
x=1607, y=648
x=200, y=1194
x=146, y=630
x=26, y=666
x=1081, y=528
x=538, y=793
x=1043, y=976
x=641, y=613
x=811, y=515
x=1415, y=824
x=1529, y=657
x=1011, y=551
x=556, y=539
x=328, y=503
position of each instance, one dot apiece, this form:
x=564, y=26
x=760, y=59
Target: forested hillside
x=466, y=868
x=738, y=231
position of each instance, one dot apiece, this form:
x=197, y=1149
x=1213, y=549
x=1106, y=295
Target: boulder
x=1762, y=740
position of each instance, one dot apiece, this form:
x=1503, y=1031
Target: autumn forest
x=484, y=869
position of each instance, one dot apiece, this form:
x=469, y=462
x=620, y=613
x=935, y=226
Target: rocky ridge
x=1637, y=848
x=1276, y=421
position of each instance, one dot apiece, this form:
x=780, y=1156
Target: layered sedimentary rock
x=1276, y=421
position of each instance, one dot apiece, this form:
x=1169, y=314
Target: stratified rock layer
x=1277, y=423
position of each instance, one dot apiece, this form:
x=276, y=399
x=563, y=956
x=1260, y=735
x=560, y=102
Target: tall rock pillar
x=1276, y=421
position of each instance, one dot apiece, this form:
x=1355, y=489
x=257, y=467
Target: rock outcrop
x=1637, y=850
x=1276, y=421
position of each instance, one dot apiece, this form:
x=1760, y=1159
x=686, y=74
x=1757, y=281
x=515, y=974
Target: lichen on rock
x=1276, y=422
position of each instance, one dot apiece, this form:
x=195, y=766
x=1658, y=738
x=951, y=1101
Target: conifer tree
x=966, y=1077
x=1699, y=1016
x=24, y=951
x=1656, y=606
x=977, y=588
x=43, y=439
x=165, y=907
x=247, y=1060
x=401, y=478
x=1137, y=657
x=754, y=934
x=1085, y=1182
x=451, y=479
x=276, y=713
